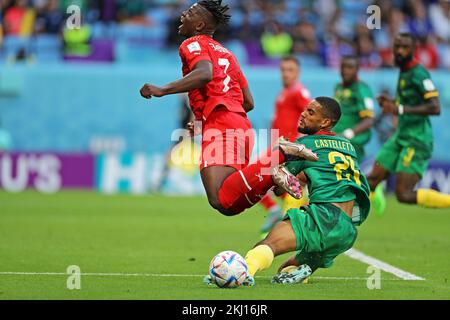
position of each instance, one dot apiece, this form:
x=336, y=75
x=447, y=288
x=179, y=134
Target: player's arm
x=431, y=108
x=248, y=99
x=201, y=74
x=248, y=104
x=366, y=114
x=362, y=126
x=425, y=86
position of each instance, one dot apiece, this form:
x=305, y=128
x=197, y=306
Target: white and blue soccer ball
x=228, y=269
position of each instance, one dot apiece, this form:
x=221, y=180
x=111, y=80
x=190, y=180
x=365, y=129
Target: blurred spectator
x=323, y=30
x=50, y=19
x=333, y=49
x=108, y=10
x=82, y=4
x=247, y=32
x=131, y=11
x=367, y=53
x=305, y=39
x=275, y=41
x=326, y=9
x=419, y=23
x=440, y=19
x=426, y=53
x=365, y=48
x=18, y=19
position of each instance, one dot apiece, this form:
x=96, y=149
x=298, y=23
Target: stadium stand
x=320, y=32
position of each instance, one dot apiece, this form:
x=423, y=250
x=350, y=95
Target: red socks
x=244, y=188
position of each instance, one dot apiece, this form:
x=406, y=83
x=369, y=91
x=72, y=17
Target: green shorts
x=323, y=232
x=411, y=158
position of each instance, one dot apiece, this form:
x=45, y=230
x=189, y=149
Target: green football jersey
x=336, y=176
x=356, y=103
x=414, y=88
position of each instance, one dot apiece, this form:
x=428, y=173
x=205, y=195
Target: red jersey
x=227, y=83
x=289, y=106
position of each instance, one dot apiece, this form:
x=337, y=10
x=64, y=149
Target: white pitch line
x=157, y=275
x=100, y=274
x=358, y=255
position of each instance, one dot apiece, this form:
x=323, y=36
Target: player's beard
x=307, y=130
x=401, y=61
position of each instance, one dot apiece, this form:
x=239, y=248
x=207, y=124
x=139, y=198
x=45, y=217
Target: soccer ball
x=228, y=269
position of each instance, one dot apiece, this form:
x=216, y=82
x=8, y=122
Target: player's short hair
x=291, y=58
x=217, y=10
x=350, y=57
x=330, y=108
x=409, y=36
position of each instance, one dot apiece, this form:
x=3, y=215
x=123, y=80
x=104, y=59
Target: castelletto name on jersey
x=336, y=144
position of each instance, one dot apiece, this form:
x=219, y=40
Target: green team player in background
x=409, y=150
x=339, y=200
x=357, y=106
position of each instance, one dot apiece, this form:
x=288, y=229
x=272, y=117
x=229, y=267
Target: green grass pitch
x=168, y=242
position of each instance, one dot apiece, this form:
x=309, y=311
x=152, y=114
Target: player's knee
x=276, y=242
x=373, y=181
x=227, y=212
x=405, y=196
x=215, y=203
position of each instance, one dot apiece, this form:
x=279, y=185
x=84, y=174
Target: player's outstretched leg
x=213, y=178
x=226, y=187
x=293, y=274
x=378, y=200
x=281, y=239
x=288, y=203
x=424, y=197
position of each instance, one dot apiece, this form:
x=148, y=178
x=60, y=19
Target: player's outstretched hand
x=387, y=104
x=148, y=91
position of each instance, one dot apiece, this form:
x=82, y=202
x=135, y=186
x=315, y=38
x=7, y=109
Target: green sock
x=378, y=200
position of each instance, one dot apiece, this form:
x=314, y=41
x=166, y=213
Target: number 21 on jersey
x=345, y=169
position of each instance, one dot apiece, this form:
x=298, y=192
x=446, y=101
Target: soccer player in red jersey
x=289, y=105
x=220, y=98
x=291, y=101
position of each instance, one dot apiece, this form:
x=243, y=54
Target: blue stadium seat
x=238, y=50
x=127, y=31
x=47, y=48
x=138, y=52
x=13, y=44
